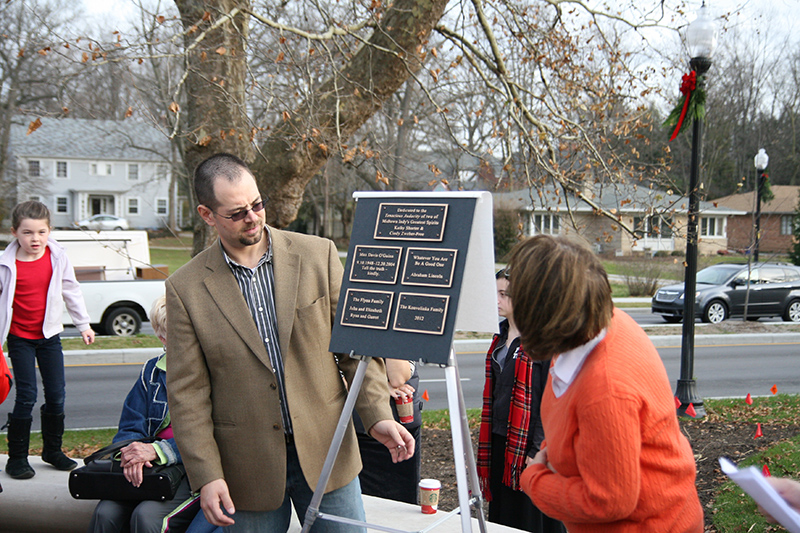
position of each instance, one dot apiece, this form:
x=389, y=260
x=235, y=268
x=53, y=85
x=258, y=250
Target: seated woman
x=145, y=414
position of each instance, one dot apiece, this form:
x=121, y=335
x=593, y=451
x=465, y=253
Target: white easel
x=477, y=311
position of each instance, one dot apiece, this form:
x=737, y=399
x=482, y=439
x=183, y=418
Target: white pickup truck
x=109, y=265
x=118, y=307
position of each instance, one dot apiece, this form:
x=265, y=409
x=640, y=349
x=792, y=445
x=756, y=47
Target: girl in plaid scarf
x=511, y=429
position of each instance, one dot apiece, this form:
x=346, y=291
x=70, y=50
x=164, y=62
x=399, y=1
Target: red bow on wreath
x=692, y=103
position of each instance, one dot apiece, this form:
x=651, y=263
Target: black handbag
x=102, y=478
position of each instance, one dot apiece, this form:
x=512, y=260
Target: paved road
x=95, y=392
x=720, y=370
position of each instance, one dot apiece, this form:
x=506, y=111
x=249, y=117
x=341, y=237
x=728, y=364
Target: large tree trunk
x=215, y=88
x=299, y=146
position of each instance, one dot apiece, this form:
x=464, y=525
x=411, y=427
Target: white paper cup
x=429, y=495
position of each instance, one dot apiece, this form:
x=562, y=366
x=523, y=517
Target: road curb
x=110, y=357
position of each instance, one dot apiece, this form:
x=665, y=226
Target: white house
x=81, y=167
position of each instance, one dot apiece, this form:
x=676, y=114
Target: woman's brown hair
x=560, y=292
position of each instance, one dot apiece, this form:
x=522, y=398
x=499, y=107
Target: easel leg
x=466, y=469
x=347, y=412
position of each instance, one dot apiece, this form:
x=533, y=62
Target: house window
x=34, y=168
x=133, y=172
x=546, y=224
x=161, y=171
x=655, y=226
x=133, y=206
x=62, y=204
x=61, y=169
x=787, y=223
x=161, y=206
x=712, y=226
x=100, y=169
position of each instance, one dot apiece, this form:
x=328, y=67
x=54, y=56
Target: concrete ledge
x=43, y=504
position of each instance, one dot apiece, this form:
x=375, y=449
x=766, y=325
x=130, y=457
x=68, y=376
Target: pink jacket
x=64, y=288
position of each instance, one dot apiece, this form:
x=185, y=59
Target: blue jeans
x=344, y=501
x=24, y=354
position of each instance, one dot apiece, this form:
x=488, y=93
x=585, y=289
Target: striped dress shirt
x=257, y=286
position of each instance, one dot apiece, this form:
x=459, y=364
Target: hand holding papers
x=755, y=484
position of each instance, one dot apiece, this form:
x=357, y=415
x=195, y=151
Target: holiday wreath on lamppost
x=692, y=103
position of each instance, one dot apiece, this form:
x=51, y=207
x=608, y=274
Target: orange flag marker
x=677, y=403
x=748, y=400
x=425, y=395
x=758, y=431
x=774, y=389
x=690, y=410
x=765, y=471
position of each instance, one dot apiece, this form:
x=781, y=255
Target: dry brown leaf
x=33, y=126
x=174, y=107
x=128, y=112
x=221, y=50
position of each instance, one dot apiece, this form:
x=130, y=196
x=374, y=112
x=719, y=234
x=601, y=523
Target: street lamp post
x=701, y=40
x=761, y=160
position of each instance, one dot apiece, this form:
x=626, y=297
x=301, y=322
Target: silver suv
x=723, y=291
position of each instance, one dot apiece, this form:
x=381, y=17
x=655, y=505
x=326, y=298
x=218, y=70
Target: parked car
x=723, y=291
x=103, y=223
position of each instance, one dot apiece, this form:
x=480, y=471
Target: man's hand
x=395, y=437
x=213, y=496
x=133, y=457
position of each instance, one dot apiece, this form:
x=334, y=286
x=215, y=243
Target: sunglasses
x=239, y=215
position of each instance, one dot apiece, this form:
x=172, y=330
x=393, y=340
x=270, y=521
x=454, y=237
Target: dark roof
x=77, y=138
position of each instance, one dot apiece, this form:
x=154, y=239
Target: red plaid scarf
x=518, y=422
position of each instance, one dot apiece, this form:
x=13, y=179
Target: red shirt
x=30, y=297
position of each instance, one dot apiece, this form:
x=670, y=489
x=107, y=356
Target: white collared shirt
x=568, y=364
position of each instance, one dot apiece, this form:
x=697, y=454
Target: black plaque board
x=429, y=267
x=367, y=309
x=421, y=313
x=447, y=236
x=411, y=222
x=376, y=264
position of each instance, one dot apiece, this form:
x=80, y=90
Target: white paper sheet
x=752, y=481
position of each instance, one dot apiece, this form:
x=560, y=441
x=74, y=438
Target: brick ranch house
x=777, y=216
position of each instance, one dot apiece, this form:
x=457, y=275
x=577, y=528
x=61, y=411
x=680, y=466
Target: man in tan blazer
x=254, y=394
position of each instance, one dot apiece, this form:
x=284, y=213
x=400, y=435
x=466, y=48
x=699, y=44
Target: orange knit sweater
x=613, y=438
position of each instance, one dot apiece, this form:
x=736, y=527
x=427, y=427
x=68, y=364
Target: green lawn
x=174, y=258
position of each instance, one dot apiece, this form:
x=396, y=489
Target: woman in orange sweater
x=614, y=458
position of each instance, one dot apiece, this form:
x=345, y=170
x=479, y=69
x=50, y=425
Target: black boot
x=52, y=431
x=19, y=436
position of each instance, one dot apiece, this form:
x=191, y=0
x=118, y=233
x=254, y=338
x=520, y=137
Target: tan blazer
x=223, y=396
